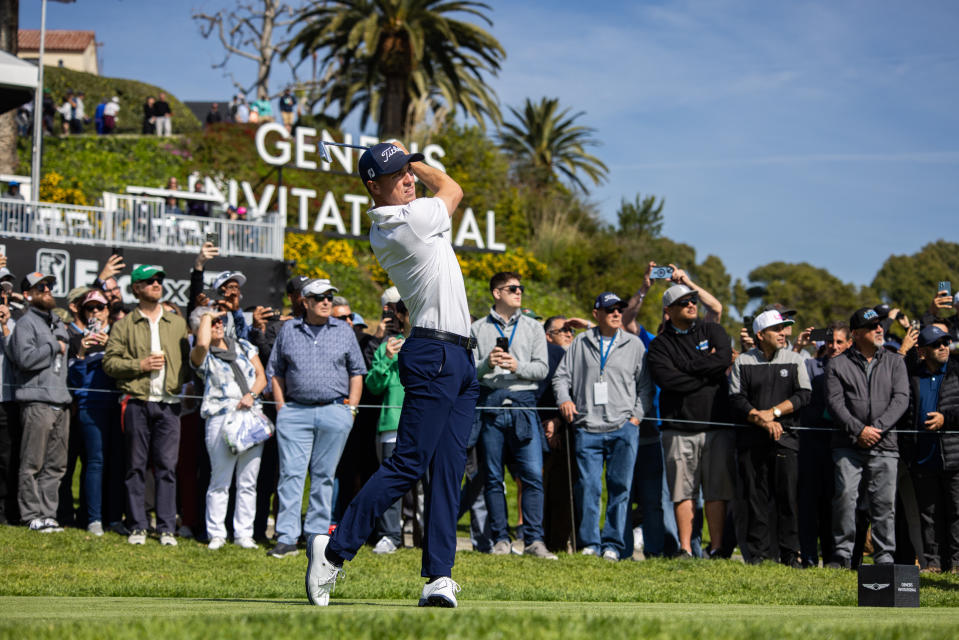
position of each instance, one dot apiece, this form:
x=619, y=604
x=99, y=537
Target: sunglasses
x=42, y=286
x=514, y=288
x=345, y=317
x=612, y=310
x=318, y=297
x=939, y=344
x=694, y=300
x=217, y=320
x=94, y=307
x=563, y=330
x=153, y=280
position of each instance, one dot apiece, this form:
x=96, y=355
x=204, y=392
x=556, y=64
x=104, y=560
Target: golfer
x=411, y=239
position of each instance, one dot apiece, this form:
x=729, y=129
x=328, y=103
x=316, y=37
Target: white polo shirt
x=413, y=243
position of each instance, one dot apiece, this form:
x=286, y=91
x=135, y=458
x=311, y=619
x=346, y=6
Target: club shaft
x=342, y=144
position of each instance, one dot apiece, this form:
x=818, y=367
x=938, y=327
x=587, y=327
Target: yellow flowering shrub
x=484, y=265
x=338, y=252
x=54, y=188
x=305, y=251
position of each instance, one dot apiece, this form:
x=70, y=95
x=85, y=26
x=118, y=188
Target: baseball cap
x=770, y=318
x=674, y=293
x=76, y=293
x=94, y=295
x=295, y=284
x=390, y=296
x=529, y=313
x=35, y=278
x=863, y=318
x=358, y=320
x=883, y=310
x=146, y=271
x=931, y=333
x=317, y=287
x=605, y=300
x=781, y=308
x=226, y=276
x=5, y=273
x=384, y=158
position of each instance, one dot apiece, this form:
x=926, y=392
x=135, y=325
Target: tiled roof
x=56, y=40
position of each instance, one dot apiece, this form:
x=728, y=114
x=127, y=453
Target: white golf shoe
x=440, y=593
x=320, y=572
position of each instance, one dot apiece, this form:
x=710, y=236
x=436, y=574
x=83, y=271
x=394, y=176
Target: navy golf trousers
x=441, y=391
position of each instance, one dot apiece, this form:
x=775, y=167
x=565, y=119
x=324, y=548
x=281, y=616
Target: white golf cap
x=674, y=293
x=226, y=276
x=390, y=296
x=768, y=319
x=317, y=287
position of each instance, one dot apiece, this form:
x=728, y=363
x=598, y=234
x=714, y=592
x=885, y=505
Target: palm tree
x=546, y=144
x=390, y=54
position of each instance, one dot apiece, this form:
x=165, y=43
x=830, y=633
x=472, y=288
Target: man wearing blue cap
x=933, y=454
x=411, y=238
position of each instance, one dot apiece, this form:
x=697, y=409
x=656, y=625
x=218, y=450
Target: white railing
x=139, y=222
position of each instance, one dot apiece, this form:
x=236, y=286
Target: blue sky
x=824, y=132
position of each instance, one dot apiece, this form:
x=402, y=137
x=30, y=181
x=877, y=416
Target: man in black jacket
x=867, y=391
x=768, y=386
x=688, y=360
x=933, y=454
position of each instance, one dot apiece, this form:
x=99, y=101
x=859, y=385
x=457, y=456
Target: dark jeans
x=390, y=524
x=435, y=423
x=938, y=495
x=9, y=461
x=815, y=497
x=559, y=473
x=770, y=471
x=93, y=426
x=266, y=503
x=152, y=434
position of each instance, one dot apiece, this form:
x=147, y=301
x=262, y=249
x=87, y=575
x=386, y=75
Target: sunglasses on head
x=96, y=306
x=317, y=297
x=514, y=288
x=686, y=301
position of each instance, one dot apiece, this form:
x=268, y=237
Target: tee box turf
x=888, y=585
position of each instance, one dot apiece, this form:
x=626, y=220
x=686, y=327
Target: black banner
x=77, y=265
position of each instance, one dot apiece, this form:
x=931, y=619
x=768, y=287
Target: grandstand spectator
x=148, y=126
x=288, y=108
x=816, y=482
x=233, y=379
x=163, y=115
x=383, y=379
x=688, y=360
x=111, y=115
x=199, y=208
x=317, y=375
x=37, y=348
x=867, y=391
x=509, y=377
x=97, y=418
x=604, y=390
x=9, y=411
x=933, y=454
x=768, y=386
x=214, y=116
x=147, y=355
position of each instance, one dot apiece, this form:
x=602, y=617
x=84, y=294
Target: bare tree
x=250, y=31
x=9, y=21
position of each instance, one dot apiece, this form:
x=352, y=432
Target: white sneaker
x=320, y=572
x=610, y=555
x=37, y=524
x=384, y=546
x=138, y=536
x=51, y=525
x=245, y=543
x=167, y=539
x=216, y=542
x=538, y=549
x=589, y=551
x=502, y=548
x=441, y=593
x=95, y=528
x=638, y=542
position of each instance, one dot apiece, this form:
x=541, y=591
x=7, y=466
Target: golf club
x=325, y=153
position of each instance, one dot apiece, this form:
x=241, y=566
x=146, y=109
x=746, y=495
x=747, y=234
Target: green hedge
x=132, y=94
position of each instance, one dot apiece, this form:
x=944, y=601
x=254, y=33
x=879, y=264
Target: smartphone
x=945, y=285
x=748, y=323
x=213, y=238
x=503, y=343
x=117, y=251
x=661, y=273
x=819, y=335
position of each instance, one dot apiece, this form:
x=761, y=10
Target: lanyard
x=511, y=335
x=605, y=356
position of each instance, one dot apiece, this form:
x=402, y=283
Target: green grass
x=74, y=585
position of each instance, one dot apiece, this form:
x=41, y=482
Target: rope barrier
x=735, y=425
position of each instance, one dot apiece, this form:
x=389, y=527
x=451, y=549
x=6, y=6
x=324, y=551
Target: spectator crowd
x=796, y=446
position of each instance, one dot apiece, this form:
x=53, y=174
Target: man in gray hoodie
x=603, y=389
x=867, y=391
x=37, y=348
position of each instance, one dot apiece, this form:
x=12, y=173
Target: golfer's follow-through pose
x=411, y=239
